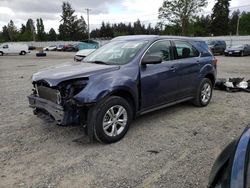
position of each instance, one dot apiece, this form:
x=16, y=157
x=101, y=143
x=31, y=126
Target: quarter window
x=160, y=49
x=184, y=50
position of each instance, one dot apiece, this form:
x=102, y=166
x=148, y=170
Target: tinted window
x=161, y=49
x=184, y=50
x=5, y=46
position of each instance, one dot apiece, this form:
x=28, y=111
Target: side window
x=6, y=46
x=185, y=50
x=161, y=49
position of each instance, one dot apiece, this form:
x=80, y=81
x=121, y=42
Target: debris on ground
x=232, y=84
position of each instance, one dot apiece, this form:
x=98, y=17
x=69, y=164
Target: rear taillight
x=215, y=61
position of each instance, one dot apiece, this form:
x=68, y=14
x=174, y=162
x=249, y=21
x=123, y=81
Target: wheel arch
x=211, y=77
x=127, y=96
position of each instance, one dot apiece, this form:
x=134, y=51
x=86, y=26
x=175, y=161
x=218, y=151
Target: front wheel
x=1, y=53
x=113, y=117
x=204, y=93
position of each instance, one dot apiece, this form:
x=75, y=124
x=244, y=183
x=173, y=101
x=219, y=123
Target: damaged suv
x=129, y=76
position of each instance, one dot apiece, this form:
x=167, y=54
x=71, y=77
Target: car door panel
x=188, y=67
x=159, y=81
x=158, y=84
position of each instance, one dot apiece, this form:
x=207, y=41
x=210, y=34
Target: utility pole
x=238, y=25
x=88, y=10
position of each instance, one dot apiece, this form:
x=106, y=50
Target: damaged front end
x=58, y=101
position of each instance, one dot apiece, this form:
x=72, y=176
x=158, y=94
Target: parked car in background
x=14, y=48
x=81, y=54
x=130, y=76
x=50, y=48
x=240, y=50
x=32, y=47
x=70, y=48
x=60, y=47
x=232, y=167
x=217, y=46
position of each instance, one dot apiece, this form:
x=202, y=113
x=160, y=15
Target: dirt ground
x=173, y=147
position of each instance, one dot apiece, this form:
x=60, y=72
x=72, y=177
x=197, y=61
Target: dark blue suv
x=129, y=76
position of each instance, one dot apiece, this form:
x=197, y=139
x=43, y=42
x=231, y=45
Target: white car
x=81, y=54
x=50, y=48
x=14, y=48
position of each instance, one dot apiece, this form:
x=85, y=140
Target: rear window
x=184, y=49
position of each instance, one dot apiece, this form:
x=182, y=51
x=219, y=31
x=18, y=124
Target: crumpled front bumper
x=55, y=110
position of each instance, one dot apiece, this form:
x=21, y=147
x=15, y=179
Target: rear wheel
x=204, y=93
x=113, y=117
x=22, y=53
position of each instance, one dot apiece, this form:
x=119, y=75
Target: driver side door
x=159, y=82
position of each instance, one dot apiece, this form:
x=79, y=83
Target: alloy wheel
x=115, y=120
x=206, y=92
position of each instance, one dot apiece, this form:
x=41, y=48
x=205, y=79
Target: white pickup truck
x=14, y=48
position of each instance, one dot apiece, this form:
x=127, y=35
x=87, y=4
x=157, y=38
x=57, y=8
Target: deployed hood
x=54, y=75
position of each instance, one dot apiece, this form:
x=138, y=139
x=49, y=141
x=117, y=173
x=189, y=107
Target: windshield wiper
x=99, y=62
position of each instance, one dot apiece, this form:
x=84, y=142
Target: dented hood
x=54, y=75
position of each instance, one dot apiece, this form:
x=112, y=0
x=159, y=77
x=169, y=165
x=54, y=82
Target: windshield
x=238, y=46
x=116, y=52
x=211, y=42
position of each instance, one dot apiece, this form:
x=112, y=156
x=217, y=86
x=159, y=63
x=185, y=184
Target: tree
x=82, y=32
x=12, y=31
x=244, y=25
x=30, y=31
x=52, y=36
x=69, y=22
x=201, y=26
x=180, y=12
x=41, y=35
x=220, y=18
x=5, y=34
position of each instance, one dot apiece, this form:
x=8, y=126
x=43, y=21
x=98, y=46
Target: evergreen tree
x=220, y=18
x=30, y=31
x=82, y=32
x=52, y=36
x=12, y=31
x=244, y=24
x=69, y=22
x=41, y=35
x=5, y=34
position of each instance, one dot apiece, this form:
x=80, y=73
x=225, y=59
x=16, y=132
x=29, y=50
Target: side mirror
x=150, y=59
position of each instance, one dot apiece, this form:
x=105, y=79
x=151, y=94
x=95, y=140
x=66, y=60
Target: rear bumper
x=232, y=53
x=55, y=110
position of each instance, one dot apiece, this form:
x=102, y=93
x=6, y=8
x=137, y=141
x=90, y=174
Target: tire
x=22, y=53
x=116, y=126
x=242, y=53
x=1, y=53
x=204, y=93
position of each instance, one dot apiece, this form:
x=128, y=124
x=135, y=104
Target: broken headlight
x=71, y=88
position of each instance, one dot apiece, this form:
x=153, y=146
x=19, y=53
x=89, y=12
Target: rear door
x=159, y=81
x=187, y=59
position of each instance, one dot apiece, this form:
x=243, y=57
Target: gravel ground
x=173, y=147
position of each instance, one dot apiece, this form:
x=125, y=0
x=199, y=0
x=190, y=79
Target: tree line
x=71, y=28
x=176, y=17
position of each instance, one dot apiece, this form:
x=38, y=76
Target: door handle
x=172, y=69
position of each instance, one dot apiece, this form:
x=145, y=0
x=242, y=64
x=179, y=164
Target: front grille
x=49, y=94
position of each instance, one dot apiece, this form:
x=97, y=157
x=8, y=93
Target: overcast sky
x=112, y=11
